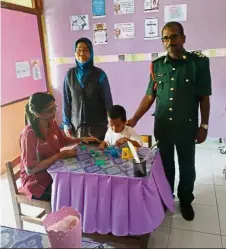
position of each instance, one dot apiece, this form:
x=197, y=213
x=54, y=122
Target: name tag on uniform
x=160, y=74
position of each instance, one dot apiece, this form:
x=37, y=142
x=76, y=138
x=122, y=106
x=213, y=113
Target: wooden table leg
x=140, y=241
x=144, y=240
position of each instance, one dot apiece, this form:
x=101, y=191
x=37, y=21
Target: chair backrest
x=147, y=140
x=13, y=174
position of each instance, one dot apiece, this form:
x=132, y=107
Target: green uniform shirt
x=177, y=84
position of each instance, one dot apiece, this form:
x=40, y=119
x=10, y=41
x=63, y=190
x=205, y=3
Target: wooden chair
x=147, y=140
x=19, y=197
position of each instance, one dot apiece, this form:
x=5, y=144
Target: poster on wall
x=79, y=22
x=36, y=70
x=151, y=29
x=98, y=8
x=123, y=7
x=176, y=13
x=151, y=5
x=100, y=33
x=124, y=30
x=23, y=69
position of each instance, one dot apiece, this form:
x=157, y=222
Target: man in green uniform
x=180, y=82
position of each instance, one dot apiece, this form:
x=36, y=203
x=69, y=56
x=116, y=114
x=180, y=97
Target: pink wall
x=20, y=42
x=205, y=29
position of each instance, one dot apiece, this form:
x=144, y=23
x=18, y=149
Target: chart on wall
x=151, y=5
x=124, y=7
x=79, y=22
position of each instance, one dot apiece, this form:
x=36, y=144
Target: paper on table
x=133, y=151
x=152, y=147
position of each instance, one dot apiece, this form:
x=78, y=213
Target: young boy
x=118, y=133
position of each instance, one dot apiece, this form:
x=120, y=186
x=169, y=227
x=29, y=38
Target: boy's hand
x=121, y=141
x=102, y=145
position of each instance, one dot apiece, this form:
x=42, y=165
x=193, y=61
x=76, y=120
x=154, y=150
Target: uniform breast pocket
x=189, y=85
x=161, y=82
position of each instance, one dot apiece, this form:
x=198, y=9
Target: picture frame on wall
x=151, y=28
x=151, y=5
x=79, y=22
x=124, y=30
x=100, y=33
x=98, y=8
x=124, y=7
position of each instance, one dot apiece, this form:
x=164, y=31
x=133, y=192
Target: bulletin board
x=22, y=71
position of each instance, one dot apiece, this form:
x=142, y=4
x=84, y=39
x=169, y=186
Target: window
x=26, y=3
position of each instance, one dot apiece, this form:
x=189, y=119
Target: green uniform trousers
x=186, y=158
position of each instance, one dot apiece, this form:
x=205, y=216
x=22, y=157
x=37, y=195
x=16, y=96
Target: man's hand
x=145, y=105
x=131, y=122
x=68, y=133
x=121, y=141
x=201, y=135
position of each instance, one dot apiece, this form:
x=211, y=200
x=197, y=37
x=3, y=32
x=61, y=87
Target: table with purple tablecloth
x=109, y=197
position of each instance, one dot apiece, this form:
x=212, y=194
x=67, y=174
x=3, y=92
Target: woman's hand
x=66, y=154
x=90, y=139
x=102, y=145
x=68, y=133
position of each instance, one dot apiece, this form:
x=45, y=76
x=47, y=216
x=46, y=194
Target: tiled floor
x=208, y=230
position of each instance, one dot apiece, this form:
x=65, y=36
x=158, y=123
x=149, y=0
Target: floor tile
x=224, y=241
x=217, y=156
x=203, y=162
x=159, y=238
x=206, y=220
x=168, y=220
x=221, y=196
x=204, y=194
x=222, y=218
x=218, y=166
x=203, y=166
x=190, y=239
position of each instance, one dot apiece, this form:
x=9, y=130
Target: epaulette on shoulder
x=159, y=58
x=198, y=54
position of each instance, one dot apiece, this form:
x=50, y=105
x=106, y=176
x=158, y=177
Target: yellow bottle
x=125, y=153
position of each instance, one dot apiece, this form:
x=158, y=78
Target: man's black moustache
x=171, y=46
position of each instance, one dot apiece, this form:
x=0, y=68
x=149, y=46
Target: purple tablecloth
x=121, y=205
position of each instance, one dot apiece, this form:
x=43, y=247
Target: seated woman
x=86, y=95
x=40, y=143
